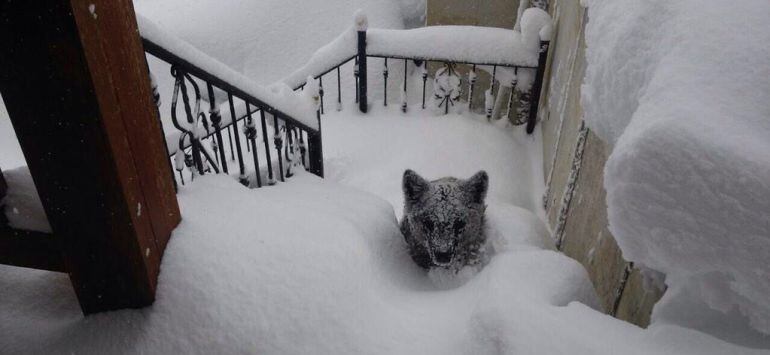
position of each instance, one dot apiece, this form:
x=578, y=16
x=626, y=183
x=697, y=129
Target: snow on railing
x=514, y=58
x=294, y=117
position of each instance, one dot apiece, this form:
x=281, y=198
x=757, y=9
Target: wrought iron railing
x=287, y=140
x=202, y=145
x=447, y=82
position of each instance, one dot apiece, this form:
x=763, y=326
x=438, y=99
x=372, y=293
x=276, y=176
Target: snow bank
x=293, y=104
x=466, y=43
x=21, y=204
x=681, y=90
x=324, y=270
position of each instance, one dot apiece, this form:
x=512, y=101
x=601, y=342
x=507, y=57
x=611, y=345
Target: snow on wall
x=681, y=90
x=297, y=105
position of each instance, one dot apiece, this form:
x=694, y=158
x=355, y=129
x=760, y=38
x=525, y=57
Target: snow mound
x=680, y=88
x=325, y=271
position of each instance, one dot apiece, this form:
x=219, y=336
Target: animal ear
x=476, y=187
x=414, y=186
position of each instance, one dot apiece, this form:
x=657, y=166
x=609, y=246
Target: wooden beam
x=27, y=249
x=75, y=83
x=30, y=249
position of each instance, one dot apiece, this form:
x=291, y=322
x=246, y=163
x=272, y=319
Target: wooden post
x=75, y=83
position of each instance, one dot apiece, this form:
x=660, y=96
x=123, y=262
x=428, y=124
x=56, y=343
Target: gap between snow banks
x=681, y=89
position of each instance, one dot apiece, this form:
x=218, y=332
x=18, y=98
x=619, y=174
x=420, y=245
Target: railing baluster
x=403, y=93
x=424, y=71
x=321, y=92
x=216, y=120
x=302, y=148
x=251, y=135
x=489, y=99
x=355, y=74
x=230, y=138
x=385, y=81
x=472, y=84
x=270, y=178
x=513, y=89
x=278, y=141
x=242, y=169
x=339, y=91
x=191, y=120
x=288, y=151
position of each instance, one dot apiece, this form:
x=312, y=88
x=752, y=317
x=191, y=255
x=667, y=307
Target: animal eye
x=459, y=225
x=428, y=225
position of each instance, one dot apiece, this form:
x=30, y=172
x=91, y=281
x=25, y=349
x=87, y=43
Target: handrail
x=165, y=55
x=295, y=118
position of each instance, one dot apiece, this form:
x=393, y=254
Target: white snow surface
x=299, y=106
x=10, y=151
x=466, y=43
x=681, y=90
x=21, y=204
x=318, y=266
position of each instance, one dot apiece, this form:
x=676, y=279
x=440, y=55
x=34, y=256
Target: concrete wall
x=573, y=157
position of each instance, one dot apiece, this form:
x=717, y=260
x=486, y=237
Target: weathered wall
x=573, y=157
x=573, y=163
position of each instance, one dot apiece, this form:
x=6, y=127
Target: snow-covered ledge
x=680, y=89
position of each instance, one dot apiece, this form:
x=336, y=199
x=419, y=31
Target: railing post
x=537, y=87
x=361, y=26
x=315, y=150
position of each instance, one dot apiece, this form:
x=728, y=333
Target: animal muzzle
x=442, y=256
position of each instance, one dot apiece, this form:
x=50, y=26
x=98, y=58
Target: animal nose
x=444, y=257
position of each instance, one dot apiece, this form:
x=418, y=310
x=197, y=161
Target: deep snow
x=681, y=90
x=324, y=269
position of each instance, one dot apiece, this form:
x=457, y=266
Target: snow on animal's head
x=444, y=212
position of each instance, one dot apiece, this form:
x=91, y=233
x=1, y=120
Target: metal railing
x=526, y=101
x=294, y=143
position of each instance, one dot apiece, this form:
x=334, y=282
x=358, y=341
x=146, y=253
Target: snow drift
x=681, y=90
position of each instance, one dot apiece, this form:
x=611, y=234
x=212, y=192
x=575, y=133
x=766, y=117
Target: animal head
x=443, y=213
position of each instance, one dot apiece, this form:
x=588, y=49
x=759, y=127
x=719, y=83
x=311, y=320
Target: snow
x=468, y=44
x=324, y=269
x=296, y=105
x=319, y=266
x=680, y=90
x=21, y=204
x=10, y=151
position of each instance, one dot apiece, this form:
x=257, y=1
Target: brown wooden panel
x=79, y=102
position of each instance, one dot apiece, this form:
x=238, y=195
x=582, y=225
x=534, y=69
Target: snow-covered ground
x=319, y=266
x=681, y=90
